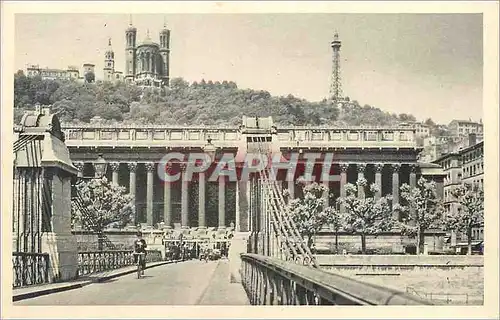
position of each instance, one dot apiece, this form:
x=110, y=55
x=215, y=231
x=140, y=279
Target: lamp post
x=100, y=166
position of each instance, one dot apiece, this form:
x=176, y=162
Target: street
x=184, y=283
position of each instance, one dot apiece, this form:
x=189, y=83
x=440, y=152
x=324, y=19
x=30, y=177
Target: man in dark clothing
x=140, y=247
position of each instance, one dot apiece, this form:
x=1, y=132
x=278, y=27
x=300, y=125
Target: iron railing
x=97, y=261
x=30, y=268
x=271, y=281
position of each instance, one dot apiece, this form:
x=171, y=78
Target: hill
x=203, y=102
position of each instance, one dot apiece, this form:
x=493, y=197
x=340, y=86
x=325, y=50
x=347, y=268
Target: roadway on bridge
x=185, y=283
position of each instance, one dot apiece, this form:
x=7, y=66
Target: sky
x=429, y=65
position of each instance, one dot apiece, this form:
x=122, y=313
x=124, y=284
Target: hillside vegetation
x=204, y=102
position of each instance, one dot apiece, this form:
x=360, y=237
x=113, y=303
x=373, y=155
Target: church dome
x=148, y=42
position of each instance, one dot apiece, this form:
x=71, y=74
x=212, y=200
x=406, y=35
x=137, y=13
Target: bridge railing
x=271, y=281
x=97, y=261
x=30, y=268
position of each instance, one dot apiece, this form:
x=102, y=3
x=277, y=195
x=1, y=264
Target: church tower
x=130, y=49
x=109, y=63
x=165, y=54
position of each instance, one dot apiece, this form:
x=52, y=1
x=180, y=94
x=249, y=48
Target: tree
x=430, y=123
x=102, y=203
x=423, y=210
x=365, y=215
x=309, y=213
x=335, y=220
x=470, y=214
x=89, y=77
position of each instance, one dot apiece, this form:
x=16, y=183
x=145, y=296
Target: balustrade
x=30, y=268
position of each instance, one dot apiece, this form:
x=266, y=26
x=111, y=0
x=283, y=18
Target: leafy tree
x=309, y=213
x=423, y=210
x=365, y=215
x=104, y=203
x=89, y=77
x=429, y=122
x=470, y=214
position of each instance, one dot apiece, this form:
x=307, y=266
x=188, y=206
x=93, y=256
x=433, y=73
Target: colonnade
x=167, y=213
x=151, y=170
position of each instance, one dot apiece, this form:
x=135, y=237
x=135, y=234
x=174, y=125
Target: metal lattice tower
x=336, y=81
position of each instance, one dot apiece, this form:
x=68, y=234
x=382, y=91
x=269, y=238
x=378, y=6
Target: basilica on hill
x=146, y=63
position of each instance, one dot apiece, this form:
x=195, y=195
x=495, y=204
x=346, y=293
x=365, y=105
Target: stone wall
x=454, y=279
x=390, y=242
x=427, y=261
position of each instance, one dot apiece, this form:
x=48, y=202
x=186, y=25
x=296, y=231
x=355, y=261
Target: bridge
x=268, y=262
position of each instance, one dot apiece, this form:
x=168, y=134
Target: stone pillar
x=201, y=200
x=361, y=175
x=326, y=193
x=413, y=184
x=150, y=168
x=243, y=206
x=115, y=166
x=58, y=241
x=184, y=198
x=291, y=189
x=167, y=199
x=343, y=182
x=395, y=186
x=413, y=175
x=379, y=167
x=132, y=167
x=222, y=202
x=237, y=209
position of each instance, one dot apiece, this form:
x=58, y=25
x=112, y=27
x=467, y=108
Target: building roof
x=465, y=122
x=148, y=42
x=479, y=144
x=426, y=165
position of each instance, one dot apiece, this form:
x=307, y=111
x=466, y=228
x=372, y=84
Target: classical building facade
x=385, y=156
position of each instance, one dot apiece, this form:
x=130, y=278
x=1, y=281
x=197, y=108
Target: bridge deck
x=183, y=283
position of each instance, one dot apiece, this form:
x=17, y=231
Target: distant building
x=71, y=73
x=88, y=67
x=465, y=165
x=421, y=129
x=146, y=63
x=464, y=127
x=436, y=147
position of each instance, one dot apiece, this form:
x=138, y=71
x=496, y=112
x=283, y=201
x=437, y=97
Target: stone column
x=237, y=209
x=291, y=189
x=167, y=195
x=201, y=200
x=150, y=168
x=361, y=175
x=184, y=198
x=413, y=184
x=115, y=166
x=413, y=175
x=379, y=167
x=343, y=182
x=222, y=202
x=395, y=186
x=132, y=167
